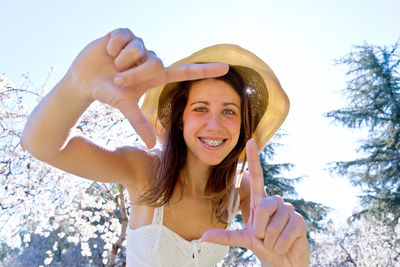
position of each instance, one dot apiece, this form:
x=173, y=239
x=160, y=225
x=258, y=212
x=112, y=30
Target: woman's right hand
x=117, y=70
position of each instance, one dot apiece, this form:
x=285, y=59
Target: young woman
x=204, y=115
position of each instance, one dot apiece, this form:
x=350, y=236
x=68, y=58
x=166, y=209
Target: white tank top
x=156, y=245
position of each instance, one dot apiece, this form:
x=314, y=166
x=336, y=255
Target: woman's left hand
x=275, y=232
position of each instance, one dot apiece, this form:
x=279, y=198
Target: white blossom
x=108, y=246
x=367, y=242
x=27, y=237
x=55, y=226
x=44, y=192
x=48, y=260
x=55, y=246
x=15, y=241
x=85, y=249
x=73, y=239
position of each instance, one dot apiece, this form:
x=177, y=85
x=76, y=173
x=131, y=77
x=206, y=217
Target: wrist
x=78, y=86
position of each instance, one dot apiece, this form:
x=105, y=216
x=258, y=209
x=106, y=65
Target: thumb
x=225, y=237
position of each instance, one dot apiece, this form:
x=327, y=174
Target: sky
x=299, y=40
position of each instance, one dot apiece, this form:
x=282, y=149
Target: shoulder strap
x=158, y=215
x=233, y=205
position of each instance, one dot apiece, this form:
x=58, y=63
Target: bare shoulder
x=141, y=164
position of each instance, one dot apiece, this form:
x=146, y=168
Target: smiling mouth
x=212, y=143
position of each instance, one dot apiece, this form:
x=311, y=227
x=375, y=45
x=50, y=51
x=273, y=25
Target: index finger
x=195, y=71
x=139, y=122
x=257, y=192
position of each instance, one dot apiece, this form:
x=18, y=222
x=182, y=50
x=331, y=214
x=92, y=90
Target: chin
x=212, y=161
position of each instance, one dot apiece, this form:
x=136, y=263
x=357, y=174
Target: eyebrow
x=207, y=103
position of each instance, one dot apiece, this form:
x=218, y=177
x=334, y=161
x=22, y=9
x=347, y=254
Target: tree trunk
x=117, y=245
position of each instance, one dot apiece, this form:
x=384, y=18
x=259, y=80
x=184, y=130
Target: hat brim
x=277, y=106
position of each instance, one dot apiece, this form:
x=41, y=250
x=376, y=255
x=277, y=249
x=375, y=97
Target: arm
x=49, y=125
x=117, y=70
x=47, y=134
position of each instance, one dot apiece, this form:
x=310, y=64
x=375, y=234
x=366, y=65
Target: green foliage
x=373, y=94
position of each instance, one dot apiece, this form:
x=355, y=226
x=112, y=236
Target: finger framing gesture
x=142, y=70
x=117, y=69
x=275, y=232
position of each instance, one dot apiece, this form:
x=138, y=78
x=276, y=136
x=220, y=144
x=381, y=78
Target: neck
x=195, y=176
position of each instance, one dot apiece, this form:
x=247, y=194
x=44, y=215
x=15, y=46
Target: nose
x=213, y=122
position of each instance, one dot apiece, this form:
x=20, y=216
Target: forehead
x=213, y=89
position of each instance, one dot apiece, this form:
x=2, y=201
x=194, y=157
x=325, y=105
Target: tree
x=36, y=198
x=374, y=105
x=364, y=242
x=55, y=249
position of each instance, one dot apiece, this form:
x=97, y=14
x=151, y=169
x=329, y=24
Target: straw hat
x=269, y=103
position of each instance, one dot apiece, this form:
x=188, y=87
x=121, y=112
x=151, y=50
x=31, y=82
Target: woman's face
x=211, y=121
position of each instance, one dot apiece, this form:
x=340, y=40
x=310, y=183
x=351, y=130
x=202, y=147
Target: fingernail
x=119, y=80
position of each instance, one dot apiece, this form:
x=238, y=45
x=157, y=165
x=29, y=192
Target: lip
x=212, y=138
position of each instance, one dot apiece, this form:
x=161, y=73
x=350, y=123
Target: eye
x=200, y=109
x=229, y=112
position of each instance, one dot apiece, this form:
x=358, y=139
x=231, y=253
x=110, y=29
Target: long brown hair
x=173, y=158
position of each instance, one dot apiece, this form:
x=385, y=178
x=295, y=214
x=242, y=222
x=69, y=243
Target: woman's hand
x=117, y=69
x=275, y=232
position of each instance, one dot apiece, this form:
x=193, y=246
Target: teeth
x=212, y=142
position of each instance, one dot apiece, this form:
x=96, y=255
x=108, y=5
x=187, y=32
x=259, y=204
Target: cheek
x=237, y=125
x=184, y=119
x=189, y=126
x=186, y=123
x=235, y=129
